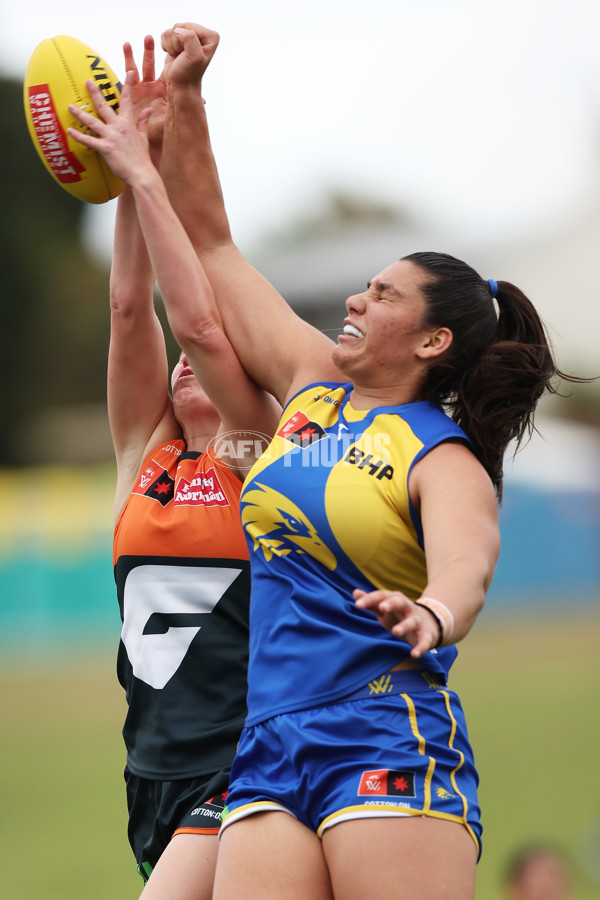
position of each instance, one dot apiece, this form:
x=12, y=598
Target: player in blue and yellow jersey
x=180, y=559
x=372, y=528
x=371, y=521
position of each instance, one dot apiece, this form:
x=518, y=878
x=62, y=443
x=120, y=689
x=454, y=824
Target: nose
x=356, y=303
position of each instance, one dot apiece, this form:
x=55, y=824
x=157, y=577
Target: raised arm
x=139, y=405
x=189, y=301
x=279, y=349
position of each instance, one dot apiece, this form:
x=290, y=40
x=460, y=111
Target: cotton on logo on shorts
x=207, y=813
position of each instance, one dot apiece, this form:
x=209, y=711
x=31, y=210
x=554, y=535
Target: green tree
x=53, y=296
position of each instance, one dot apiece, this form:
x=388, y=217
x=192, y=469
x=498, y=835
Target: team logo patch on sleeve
x=387, y=783
x=155, y=482
x=301, y=431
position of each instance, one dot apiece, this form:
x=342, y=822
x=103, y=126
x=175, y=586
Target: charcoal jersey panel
x=182, y=574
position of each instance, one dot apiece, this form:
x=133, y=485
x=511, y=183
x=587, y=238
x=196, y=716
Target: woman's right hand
x=121, y=139
x=404, y=618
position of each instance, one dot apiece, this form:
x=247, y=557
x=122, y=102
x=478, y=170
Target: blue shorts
x=397, y=747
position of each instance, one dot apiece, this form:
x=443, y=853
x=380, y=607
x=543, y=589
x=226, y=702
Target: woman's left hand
x=404, y=618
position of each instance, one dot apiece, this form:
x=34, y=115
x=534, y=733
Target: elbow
x=126, y=300
x=205, y=332
x=479, y=605
x=486, y=581
x=489, y=566
x=121, y=303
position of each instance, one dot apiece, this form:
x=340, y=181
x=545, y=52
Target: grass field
x=530, y=692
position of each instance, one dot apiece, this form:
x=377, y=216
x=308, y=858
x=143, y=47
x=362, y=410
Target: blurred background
x=346, y=137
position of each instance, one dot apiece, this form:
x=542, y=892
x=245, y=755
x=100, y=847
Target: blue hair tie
x=493, y=287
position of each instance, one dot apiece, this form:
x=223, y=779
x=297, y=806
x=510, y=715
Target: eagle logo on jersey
x=279, y=527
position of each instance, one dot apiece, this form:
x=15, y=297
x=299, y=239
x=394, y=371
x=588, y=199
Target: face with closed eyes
x=190, y=400
x=384, y=341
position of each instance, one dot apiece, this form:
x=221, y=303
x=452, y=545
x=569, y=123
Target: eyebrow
x=383, y=286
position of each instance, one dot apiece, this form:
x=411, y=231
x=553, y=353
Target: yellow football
x=55, y=77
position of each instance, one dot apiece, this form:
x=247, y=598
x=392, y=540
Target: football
x=56, y=75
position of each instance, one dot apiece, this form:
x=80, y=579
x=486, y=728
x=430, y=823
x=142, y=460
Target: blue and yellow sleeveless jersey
x=326, y=510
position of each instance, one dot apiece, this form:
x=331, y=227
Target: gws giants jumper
x=182, y=577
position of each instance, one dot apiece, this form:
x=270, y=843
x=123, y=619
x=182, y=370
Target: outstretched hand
x=121, y=139
x=148, y=92
x=189, y=50
x=405, y=619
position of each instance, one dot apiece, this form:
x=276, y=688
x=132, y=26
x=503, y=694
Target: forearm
x=456, y=595
x=460, y=527
x=131, y=275
x=193, y=314
x=137, y=385
x=189, y=301
x=190, y=172
x=459, y=519
x=442, y=615
x=277, y=348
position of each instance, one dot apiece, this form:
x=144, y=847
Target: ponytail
x=496, y=397
x=498, y=365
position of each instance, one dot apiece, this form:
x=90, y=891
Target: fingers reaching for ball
x=94, y=122
x=121, y=139
x=148, y=73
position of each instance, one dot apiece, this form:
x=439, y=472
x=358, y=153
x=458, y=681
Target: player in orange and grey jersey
x=179, y=554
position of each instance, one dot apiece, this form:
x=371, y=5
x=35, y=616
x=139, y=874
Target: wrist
x=184, y=91
x=443, y=617
x=146, y=179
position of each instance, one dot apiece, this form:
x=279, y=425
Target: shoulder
x=156, y=458
x=319, y=388
x=451, y=472
x=167, y=451
x=431, y=424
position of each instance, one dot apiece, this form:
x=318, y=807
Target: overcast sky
x=479, y=114
x=481, y=111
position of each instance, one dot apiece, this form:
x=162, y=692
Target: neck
x=198, y=442
x=198, y=436
x=368, y=396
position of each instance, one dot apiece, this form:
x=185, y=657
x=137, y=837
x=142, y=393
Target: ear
x=435, y=343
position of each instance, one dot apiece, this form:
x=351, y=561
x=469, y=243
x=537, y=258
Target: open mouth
x=352, y=331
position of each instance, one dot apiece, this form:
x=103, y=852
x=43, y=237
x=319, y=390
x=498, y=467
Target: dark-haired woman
x=373, y=534
x=372, y=528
